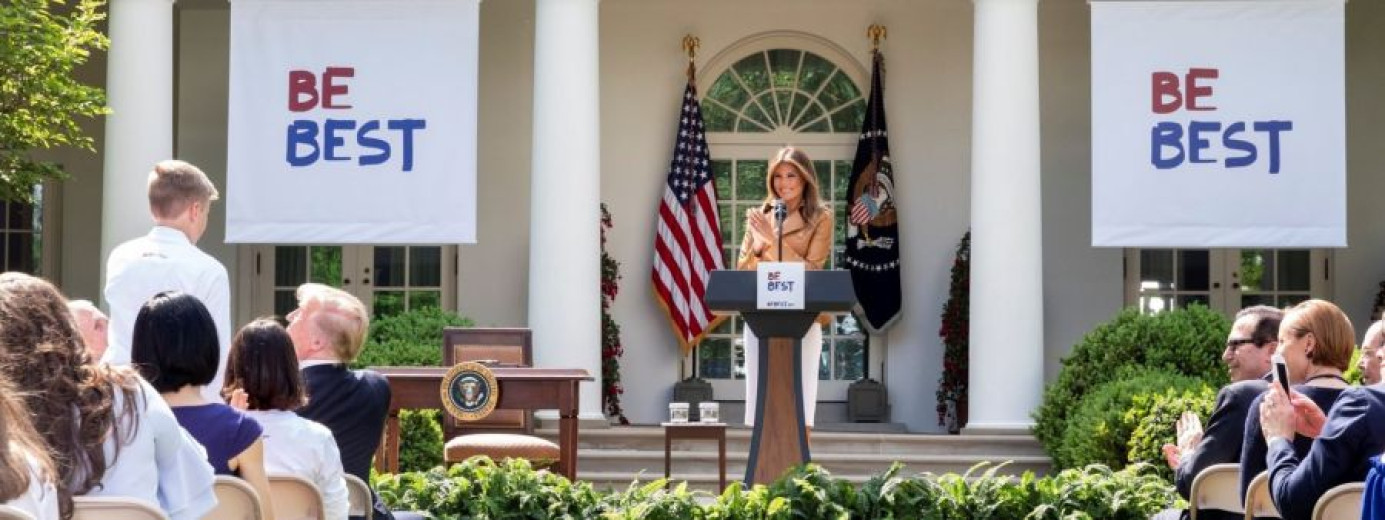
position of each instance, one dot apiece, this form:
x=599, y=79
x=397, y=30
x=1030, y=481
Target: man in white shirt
x=167, y=259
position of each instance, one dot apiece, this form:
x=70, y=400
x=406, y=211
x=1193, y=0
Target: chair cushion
x=499, y=446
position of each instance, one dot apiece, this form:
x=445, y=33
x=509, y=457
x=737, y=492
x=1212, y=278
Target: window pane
x=1255, y=263
x=19, y=216
x=425, y=266
x=19, y=250
x=752, y=72
x=326, y=268
x=714, y=358
x=1288, y=300
x=841, y=178
x=825, y=361
x=809, y=114
x=717, y=119
x=838, y=223
x=721, y=177
x=1194, y=270
x=815, y=71
x=840, y=90
x=727, y=91
x=290, y=265
x=849, y=359
x=726, y=218
x=1295, y=273
x=389, y=266
x=849, y=119
x=762, y=112
x=388, y=303
x=784, y=63
x=4, y=210
x=1248, y=300
x=1184, y=300
x=284, y=302
x=421, y=299
x=722, y=328
x=750, y=180
x=1156, y=269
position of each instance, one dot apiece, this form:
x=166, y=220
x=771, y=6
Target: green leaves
x=482, y=489
x=42, y=42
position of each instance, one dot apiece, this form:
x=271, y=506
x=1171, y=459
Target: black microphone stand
x=781, y=213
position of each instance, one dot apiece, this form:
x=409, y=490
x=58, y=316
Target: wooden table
x=520, y=388
x=696, y=430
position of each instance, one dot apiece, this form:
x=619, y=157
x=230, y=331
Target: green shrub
x=1097, y=431
x=479, y=488
x=1184, y=341
x=1152, y=418
x=412, y=338
x=1353, y=374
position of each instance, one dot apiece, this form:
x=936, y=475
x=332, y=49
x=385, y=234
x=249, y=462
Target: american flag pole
x=688, y=244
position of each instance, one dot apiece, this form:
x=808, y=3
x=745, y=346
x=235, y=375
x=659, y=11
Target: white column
x=1007, y=312
x=565, y=214
x=139, y=130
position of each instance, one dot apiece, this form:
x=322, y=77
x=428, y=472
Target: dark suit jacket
x=1355, y=432
x=1253, y=448
x=1221, y=438
x=353, y=405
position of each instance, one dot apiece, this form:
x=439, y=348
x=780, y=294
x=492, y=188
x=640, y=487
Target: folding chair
x=235, y=500
x=13, y=513
x=114, y=508
x=1258, y=501
x=359, y=495
x=1340, y=503
x=1216, y=487
x=295, y=498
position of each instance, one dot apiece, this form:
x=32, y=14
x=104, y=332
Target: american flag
x=688, y=245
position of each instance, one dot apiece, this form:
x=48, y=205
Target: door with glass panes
x=1225, y=280
x=388, y=279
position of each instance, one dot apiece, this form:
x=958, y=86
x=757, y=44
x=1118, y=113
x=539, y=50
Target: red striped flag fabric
x=688, y=243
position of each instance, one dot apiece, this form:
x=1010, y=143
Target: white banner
x=1218, y=124
x=352, y=121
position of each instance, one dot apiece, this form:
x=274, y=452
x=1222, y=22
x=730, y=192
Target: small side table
x=696, y=430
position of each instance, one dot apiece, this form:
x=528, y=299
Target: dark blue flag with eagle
x=872, y=228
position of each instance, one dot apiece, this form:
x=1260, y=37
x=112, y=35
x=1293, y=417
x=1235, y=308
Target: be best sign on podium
x=779, y=302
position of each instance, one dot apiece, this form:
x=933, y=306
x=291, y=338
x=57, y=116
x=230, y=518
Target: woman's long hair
x=812, y=199
x=20, y=446
x=263, y=365
x=71, y=398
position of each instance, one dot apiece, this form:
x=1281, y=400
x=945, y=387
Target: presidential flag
x=872, y=231
x=688, y=245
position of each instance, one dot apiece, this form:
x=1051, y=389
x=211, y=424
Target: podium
x=779, y=440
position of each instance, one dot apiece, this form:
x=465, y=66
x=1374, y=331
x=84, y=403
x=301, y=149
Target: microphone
x=781, y=212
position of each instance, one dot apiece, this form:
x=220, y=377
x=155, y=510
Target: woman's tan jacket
x=807, y=242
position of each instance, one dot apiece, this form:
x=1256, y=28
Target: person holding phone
x=1249, y=345
x=1309, y=364
x=807, y=238
x=1345, y=439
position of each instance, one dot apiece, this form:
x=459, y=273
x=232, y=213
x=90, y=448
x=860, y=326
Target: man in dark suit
x=1249, y=346
x=328, y=330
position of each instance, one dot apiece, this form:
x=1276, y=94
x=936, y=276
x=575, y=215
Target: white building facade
x=989, y=109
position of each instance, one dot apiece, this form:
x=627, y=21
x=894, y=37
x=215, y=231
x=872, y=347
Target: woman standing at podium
x=807, y=234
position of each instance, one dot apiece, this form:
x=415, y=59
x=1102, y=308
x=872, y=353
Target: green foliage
x=42, y=42
x=1183, y=341
x=479, y=488
x=1353, y=375
x=1097, y=431
x=1152, y=417
x=412, y=338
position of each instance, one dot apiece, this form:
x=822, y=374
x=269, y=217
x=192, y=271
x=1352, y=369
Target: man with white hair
x=91, y=324
x=1369, y=364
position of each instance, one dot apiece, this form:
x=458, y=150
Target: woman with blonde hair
x=108, y=432
x=1316, y=341
x=807, y=239
x=26, y=472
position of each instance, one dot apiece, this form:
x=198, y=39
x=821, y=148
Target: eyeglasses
x=1233, y=344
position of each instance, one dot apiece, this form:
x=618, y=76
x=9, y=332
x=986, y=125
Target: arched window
x=760, y=94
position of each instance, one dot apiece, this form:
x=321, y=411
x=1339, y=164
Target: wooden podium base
x=779, y=441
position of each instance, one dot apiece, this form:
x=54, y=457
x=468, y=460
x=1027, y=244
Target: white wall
x=1361, y=267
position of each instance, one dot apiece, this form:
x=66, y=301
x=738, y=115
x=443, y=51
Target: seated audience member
x=1247, y=357
x=26, y=472
x=263, y=371
x=328, y=330
x=1371, y=352
x=108, y=432
x=92, y=325
x=1346, y=438
x=1315, y=364
x=175, y=347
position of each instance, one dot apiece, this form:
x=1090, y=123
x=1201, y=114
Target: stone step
x=651, y=438
x=861, y=466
